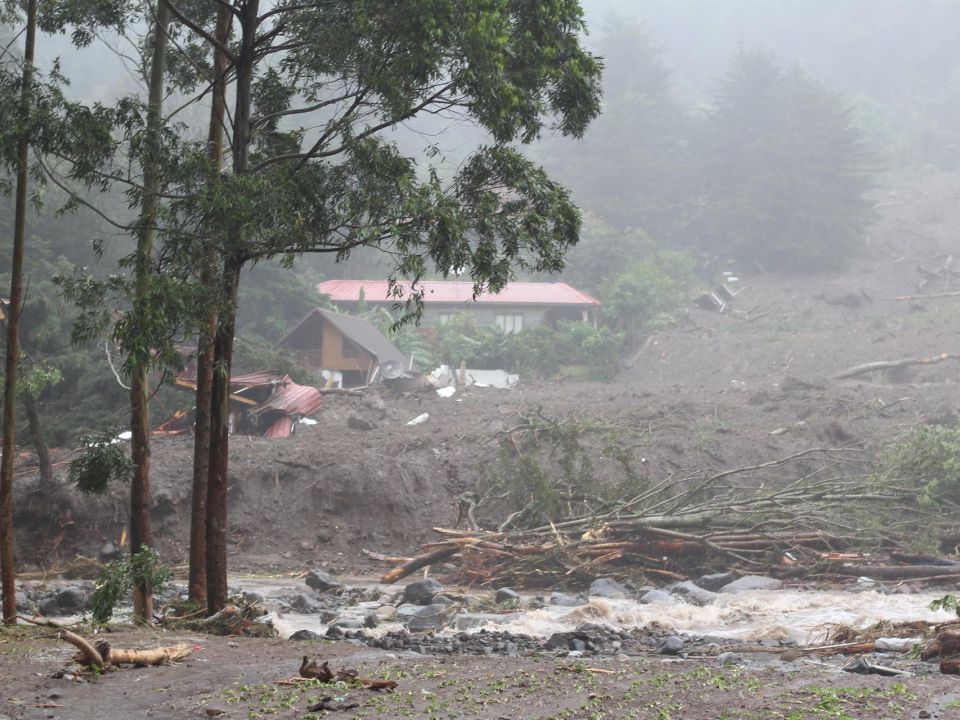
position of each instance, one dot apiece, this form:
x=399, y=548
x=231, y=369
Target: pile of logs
x=648, y=554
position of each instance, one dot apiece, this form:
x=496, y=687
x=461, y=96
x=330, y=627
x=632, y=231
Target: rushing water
x=804, y=616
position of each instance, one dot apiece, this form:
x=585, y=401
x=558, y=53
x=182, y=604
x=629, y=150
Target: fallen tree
x=800, y=515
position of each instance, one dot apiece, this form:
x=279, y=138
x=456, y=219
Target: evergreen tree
x=631, y=169
x=786, y=172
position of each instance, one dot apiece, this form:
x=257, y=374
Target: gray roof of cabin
x=360, y=331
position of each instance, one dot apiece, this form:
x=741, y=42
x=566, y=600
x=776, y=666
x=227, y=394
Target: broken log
x=416, y=563
x=945, y=644
x=896, y=572
x=891, y=364
x=142, y=658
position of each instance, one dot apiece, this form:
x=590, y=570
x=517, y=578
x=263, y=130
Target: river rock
x=752, y=582
x=565, y=600
x=371, y=620
x=430, y=617
x=727, y=659
x=608, y=588
x=71, y=599
x=305, y=635
x=692, y=593
x=421, y=592
x=347, y=623
x=385, y=612
x=655, y=596
x=715, y=581
x=468, y=621
x=23, y=602
x=305, y=604
x=506, y=595
x=48, y=606
x=322, y=581
x=671, y=645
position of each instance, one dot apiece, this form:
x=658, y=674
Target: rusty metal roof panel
x=293, y=399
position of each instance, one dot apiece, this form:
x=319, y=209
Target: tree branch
x=175, y=11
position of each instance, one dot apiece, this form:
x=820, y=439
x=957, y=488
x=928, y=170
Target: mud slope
x=719, y=391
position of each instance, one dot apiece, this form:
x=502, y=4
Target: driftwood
x=893, y=364
x=418, y=562
x=101, y=655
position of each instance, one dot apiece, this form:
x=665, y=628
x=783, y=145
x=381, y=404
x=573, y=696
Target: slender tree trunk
x=39, y=444
x=219, y=441
x=140, y=531
x=208, y=329
x=13, y=328
x=226, y=327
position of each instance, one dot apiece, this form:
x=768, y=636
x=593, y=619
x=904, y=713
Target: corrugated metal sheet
x=257, y=378
x=281, y=428
x=292, y=399
x=456, y=292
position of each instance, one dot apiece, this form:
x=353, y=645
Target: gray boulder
x=506, y=595
x=655, y=596
x=71, y=599
x=752, y=582
x=671, y=645
x=608, y=588
x=565, y=600
x=322, y=581
x=715, y=581
x=690, y=592
x=421, y=592
x=429, y=617
x=304, y=635
x=48, y=606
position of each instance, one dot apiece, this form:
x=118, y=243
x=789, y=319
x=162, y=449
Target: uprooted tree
x=351, y=72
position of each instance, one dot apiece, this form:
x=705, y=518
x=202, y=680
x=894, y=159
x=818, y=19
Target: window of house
x=510, y=322
x=444, y=317
x=350, y=348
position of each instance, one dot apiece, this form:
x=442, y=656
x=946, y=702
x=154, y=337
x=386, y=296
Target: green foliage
x=462, y=338
x=120, y=576
x=538, y=351
x=102, y=461
x=929, y=460
x=410, y=341
x=786, y=170
x=545, y=472
x=38, y=378
x=648, y=295
x=947, y=602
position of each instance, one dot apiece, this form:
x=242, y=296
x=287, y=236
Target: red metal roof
x=455, y=291
x=293, y=399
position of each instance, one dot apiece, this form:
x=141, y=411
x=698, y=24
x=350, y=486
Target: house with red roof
x=519, y=305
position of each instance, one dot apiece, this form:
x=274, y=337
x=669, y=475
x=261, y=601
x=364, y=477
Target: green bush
x=119, y=577
x=538, y=351
x=929, y=459
x=649, y=294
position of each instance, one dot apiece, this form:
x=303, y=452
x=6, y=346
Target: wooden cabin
x=342, y=347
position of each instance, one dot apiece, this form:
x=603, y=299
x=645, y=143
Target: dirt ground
x=237, y=678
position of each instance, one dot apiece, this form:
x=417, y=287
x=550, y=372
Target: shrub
x=929, y=458
x=649, y=294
